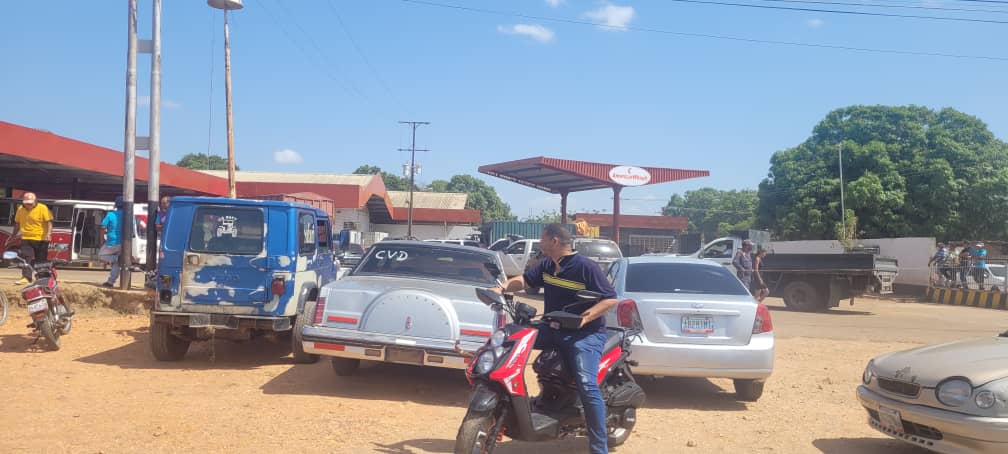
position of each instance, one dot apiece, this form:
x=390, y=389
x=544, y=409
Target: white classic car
x=407, y=302
x=948, y=398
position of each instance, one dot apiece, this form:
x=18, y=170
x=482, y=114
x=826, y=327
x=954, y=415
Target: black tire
x=748, y=390
x=618, y=436
x=297, y=349
x=62, y=309
x=4, y=307
x=474, y=433
x=532, y=290
x=50, y=332
x=802, y=296
x=164, y=345
x=345, y=367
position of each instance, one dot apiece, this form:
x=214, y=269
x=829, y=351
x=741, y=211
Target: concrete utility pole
x=843, y=211
x=412, y=172
x=129, y=152
x=228, y=5
x=154, y=155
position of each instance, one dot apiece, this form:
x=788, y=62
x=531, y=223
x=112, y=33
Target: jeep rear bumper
x=222, y=321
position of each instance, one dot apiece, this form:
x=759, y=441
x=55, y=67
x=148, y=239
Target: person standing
x=743, y=263
x=34, y=221
x=111, y=228
x=562, y=274
x=979, y=264
x=162, y=214
x=939, y=259
x=964, y=263
x=759, y=288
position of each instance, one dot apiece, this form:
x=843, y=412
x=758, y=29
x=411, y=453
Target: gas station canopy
x=563, y=176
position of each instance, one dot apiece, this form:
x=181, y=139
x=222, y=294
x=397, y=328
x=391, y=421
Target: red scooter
x=500, y=403
x=50, y=315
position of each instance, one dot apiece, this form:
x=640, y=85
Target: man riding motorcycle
x=562, y=273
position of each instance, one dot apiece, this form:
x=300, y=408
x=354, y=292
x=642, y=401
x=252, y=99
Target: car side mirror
x=489, y=298
x=10, y=255
x=588, y=295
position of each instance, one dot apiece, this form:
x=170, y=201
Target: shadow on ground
x=219, y=354
x=866, y=446
x=688, y=393
x=569, y=445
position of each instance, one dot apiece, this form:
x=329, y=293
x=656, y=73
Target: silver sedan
x=698, y=320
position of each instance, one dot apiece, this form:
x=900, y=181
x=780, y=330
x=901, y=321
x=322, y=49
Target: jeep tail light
x=32, y=293
x=626, y=313
x=319, y=311
x=279, y=285
x=763, y=324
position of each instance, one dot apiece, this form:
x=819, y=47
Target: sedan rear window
x=682, y=278
x=429, y=261
x=603, y=249
x=220, y=230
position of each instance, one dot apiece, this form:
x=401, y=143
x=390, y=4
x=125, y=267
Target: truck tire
x=164, y=345
x=748, y=390
x=803, y=296
x=532, y=290
x=297, y=349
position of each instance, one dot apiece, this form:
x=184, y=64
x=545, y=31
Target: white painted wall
x=361, y=216
x=426, y=231
x=912, y=254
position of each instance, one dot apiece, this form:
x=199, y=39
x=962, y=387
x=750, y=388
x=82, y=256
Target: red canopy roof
x=559, y=176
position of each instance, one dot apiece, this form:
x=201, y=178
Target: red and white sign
x=629, y=176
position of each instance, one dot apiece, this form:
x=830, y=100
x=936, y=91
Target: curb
x=971, y=298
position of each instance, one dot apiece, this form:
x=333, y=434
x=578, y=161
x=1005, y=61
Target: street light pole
x=228, y=5
x=412, y=173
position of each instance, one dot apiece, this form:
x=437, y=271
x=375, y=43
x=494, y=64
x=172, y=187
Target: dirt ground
x=103, y=392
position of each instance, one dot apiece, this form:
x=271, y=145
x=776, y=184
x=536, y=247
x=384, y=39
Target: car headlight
x=868, y=373
x=954, y=392
x=985, y=399
x=485, y=362
x=497, y=339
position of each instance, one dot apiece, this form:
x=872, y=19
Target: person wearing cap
x=979, y=264
x=743, y=263
x=939, y=259
x=111, y=228
x=34, y=221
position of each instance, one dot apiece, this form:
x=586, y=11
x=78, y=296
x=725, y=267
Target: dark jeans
x=581, y=351
x=33, y=251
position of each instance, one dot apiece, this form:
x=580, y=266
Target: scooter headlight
x=498, y=338
x=485, y=362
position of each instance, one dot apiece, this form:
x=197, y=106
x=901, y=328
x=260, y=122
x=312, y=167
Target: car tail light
x=279, y=285
x=763, y=324
x=32, y=293
x=627, y=314
x=319, y=311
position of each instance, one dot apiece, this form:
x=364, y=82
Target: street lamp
x=228, y=5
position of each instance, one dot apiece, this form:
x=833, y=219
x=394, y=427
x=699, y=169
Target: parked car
x=600, y=250
x=407, y=302
x=221, y=276
x=698, y=320
x=470, y=243
x=947, y=398
x=519, y=255
x=352, y=256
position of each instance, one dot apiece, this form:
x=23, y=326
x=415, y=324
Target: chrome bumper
x=348, y=343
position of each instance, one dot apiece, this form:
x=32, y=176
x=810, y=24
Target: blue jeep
x=236, y=269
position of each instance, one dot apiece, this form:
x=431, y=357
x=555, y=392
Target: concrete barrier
x=972, y=298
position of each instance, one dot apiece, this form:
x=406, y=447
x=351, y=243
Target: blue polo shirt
x=560, y=286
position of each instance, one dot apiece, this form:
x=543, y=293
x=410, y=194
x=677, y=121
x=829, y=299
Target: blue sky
x=495, y=87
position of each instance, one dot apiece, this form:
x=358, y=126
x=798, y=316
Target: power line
x=836, y=11
x=901, y=6
x=711, y=36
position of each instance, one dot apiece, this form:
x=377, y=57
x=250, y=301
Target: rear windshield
x=222, y=230
x=428, y=261
x=682, y=278
x=604, y=249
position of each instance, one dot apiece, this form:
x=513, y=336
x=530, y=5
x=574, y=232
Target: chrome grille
x=899, y=387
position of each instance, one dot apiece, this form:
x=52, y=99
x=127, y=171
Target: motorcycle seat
x=613, y=340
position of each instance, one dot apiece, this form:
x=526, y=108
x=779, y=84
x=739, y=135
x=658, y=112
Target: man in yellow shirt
x=34, y=221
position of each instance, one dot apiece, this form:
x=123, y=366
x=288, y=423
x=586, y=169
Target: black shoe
x=107, y=285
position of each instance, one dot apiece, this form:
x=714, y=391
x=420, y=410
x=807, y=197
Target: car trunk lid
x=695, y=319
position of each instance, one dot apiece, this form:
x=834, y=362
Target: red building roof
x=633, y=221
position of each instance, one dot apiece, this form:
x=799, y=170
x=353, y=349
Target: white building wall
x=360, y=216
x=426, y=231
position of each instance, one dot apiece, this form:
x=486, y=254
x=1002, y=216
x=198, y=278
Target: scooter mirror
x=489, y=298
x=588, y=295
x=10, y=255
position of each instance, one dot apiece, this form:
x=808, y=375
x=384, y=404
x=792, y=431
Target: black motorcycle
x=50, y=315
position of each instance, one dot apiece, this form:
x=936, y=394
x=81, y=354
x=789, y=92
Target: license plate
x=890, y=419
x=697, y=324
x=404, y=356
x=37, y=306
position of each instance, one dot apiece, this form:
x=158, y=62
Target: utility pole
x=129, y=151
x=412, y=172
x=228, y=5
x=843, y=210
x=154, y=146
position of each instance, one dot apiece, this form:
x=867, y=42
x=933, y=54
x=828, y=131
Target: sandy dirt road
x=103, y=392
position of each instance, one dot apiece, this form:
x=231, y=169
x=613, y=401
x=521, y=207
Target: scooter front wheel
x=475, y=434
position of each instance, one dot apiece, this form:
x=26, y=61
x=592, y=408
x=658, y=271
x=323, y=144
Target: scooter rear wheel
x=474, y=433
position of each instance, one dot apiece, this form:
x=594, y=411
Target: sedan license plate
x=404, y=356
x=697, y=324
x=890, y=419
x=37, y=306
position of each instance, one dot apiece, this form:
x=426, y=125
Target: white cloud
x=536, y=32
x=144, y=101
x=287, y=156
x=612, y=17
x=815, y=23
x=555, y=3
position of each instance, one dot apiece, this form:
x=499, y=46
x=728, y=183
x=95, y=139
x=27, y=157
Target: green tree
x=907, y=171
x=202, y=161
x=547, y=217
x=392, y=182
x=714, y=212
x=437, y=186
x=482, y=197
